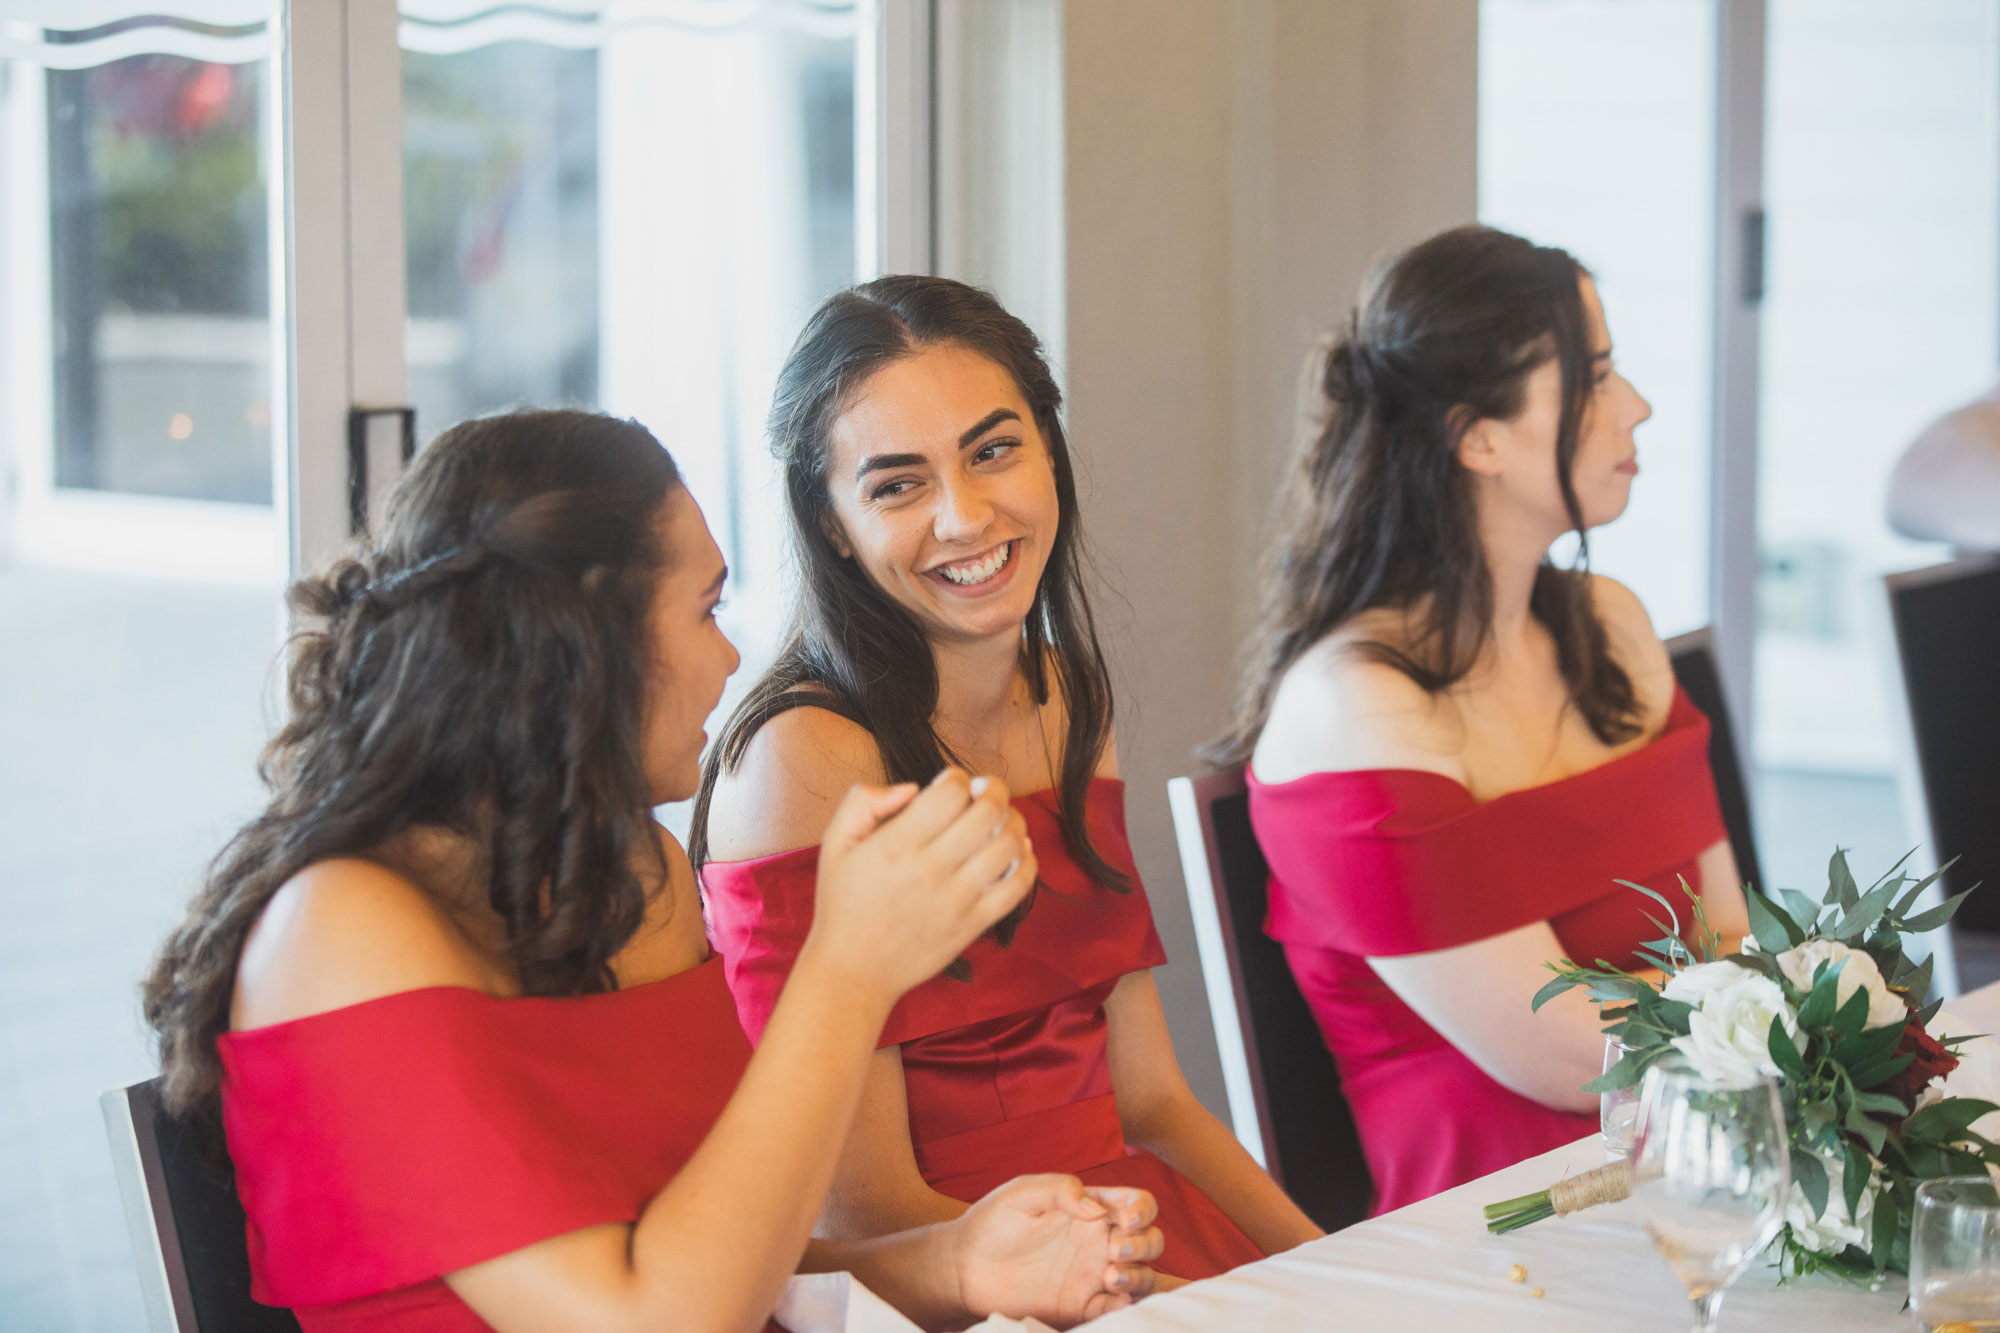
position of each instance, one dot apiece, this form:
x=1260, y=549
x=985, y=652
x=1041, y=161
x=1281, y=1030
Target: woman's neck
x=979, y=694
x=1515, y=547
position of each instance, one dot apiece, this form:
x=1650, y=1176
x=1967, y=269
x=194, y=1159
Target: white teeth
x=981, y=570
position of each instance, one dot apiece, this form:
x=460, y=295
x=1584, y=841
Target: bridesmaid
x=1455, y=744
x=449, y=996
x=943, y=620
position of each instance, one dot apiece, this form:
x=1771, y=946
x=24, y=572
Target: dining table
x=1433, y=1265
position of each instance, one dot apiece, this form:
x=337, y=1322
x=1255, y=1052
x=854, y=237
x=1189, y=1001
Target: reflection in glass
x=160, y=291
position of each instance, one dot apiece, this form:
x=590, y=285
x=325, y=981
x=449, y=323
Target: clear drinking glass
x=1955, y=1254
x=1618, y=1110
x=1710, y=1170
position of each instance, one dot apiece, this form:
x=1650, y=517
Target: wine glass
x=1710, y=1171
x=1955, y=1253
x=1618, y=1110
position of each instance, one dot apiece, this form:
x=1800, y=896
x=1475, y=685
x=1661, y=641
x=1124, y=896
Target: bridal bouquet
x=1824, y=1000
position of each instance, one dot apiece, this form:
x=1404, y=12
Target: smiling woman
x=935, y=519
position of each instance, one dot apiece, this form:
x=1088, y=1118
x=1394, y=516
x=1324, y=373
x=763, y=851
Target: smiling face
x=1518, y=455
x=944, y=492
x=691, y=657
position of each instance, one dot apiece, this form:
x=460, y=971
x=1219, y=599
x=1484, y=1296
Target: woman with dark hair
x=943, y=618
x=449, y=997
x=1456, y=746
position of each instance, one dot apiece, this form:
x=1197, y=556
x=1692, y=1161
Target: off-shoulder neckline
x=1682, y=707
x=812, y=849
x=714, y=959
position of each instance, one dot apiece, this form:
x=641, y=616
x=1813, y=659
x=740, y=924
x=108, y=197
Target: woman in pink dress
x=943, y=619
x=450, y=999
x=1456, y=745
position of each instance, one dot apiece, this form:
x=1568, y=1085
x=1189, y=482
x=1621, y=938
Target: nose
x=1644, y=411
x=963, y=512
x=735, y=657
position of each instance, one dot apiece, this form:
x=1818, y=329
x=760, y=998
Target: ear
x=1480, y=444
x=836, y=534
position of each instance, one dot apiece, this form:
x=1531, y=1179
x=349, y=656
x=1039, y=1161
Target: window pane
x=1596, y=133
x=639, y=219
x=1880, y=182
x=140, y=561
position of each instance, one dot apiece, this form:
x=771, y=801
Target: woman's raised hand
x=908, y=878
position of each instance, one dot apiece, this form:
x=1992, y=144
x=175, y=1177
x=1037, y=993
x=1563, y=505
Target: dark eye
x=716, y=609
x=993, y=449
x=889, y=490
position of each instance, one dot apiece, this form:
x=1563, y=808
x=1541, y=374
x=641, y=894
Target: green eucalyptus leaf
x=1853, y=1177
x=1880, y=1070
x=1840, y=880
x=1810, y=1175
x=1881, y=1103
x=1857, y=1123
x=1858, y=1051
x=1888, y=1221
x=1916, y=981
x=1785, y=1054
x=1850, y=1018
x=1550, y=991
x=1861, y=917
x=1936, y=916
x=1929, y=1011
x=1942, y=1122
x=1803, y=910
x=1775, y=932
x=1631, y=1067
x=1821, y=1000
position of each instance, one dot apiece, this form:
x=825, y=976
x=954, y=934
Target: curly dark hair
x=1379, y=513
x=479, y=669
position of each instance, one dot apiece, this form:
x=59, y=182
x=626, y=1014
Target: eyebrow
x=885, y=462
x=716, y=586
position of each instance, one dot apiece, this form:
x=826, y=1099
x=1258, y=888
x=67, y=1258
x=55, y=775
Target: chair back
x=1284, y=1093
x=187, y=1226
x=1947, y=628
x=1695, y=668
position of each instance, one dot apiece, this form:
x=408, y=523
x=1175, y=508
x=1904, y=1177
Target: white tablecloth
x=1434, y=1265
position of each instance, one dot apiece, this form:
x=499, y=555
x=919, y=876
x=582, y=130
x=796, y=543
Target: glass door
x=142, y=551
x=1882, y=161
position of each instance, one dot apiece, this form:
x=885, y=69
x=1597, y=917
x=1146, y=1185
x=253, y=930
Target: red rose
x=1931, y=1061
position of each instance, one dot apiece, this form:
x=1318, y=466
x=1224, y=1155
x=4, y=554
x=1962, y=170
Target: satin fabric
x=1384, y=862
x=1006, y=1073
x=385, y=1144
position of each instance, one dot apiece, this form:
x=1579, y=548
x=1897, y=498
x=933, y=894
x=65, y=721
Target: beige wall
x=1234, y=167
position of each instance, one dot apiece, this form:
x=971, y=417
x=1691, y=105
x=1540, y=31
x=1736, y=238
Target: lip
x=1630, y=467
x=977, y=590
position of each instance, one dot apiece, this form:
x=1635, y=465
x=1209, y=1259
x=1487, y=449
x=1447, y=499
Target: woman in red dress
x=1456, y=745
x=943, y=619
x=449, y=996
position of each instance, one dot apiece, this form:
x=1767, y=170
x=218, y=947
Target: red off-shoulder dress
x=385, y=1144
x=1382, y=862
x=1006, y=1073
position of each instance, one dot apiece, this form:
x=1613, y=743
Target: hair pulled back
x=479, y=669
x=851, y=648
x=1380, y=513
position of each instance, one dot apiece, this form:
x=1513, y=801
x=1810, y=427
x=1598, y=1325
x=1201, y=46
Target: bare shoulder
x=1636, y=646
x=346, y=930
x=1339, y=710
x=793, y=774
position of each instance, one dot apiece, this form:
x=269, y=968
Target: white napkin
x=839, y=1303
x=1978, y=1071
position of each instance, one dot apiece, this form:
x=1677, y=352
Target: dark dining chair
x=1284, y=1094
x=185, y=1223
x=1695, y=668
x=1947, y=629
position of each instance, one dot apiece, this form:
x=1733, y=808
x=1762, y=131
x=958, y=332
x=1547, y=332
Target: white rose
x=1857, y=971
x=1833, y=1230
x=1729, y=1033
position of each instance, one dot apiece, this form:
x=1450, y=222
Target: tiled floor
x=129, y=722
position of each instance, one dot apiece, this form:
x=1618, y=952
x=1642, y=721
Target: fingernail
x=1126, y=1250
x=980, y=784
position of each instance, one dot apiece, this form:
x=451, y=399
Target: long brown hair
x=479, y=669
x=1380, y=513
x=851, y=649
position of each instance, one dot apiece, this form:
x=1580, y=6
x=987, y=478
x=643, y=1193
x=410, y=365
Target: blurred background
x=226, y=223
